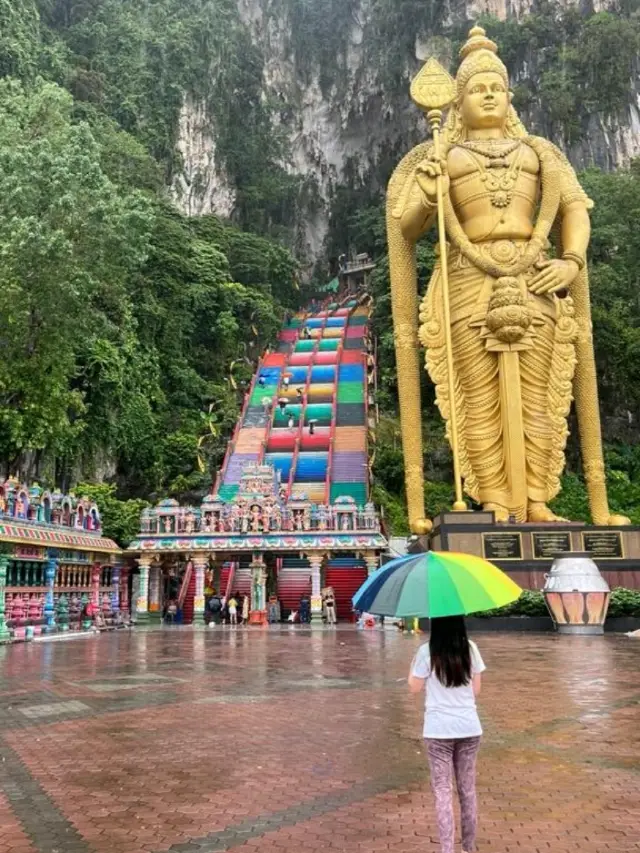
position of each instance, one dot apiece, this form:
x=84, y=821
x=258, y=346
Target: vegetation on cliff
x=127, y=331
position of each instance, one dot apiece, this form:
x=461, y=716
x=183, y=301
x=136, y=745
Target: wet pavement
x=288, y=740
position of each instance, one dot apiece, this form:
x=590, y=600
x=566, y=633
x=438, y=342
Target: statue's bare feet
x=501, y=513
x=618, y=521
x=540, y=512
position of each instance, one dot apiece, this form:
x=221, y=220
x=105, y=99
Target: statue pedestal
x=526, y=551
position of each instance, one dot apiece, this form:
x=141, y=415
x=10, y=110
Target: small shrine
x=57, y=571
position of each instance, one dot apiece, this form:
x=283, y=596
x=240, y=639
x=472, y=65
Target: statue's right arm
x=416, y=214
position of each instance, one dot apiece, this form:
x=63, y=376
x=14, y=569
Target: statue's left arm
x=575, y=232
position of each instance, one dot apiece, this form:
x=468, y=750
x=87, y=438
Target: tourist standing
x=245, y=610
x=232, y=604
x=305, y=609
x=215, y=609
x=330, y=606
x=450, y=666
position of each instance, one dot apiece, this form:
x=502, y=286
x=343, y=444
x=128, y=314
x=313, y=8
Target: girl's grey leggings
x=449, y=758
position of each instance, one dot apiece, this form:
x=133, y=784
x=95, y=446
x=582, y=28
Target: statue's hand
x=426, y=174
x=554, y=275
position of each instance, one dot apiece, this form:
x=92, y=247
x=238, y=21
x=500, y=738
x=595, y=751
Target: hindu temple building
x=57, y=571
x=290, y=512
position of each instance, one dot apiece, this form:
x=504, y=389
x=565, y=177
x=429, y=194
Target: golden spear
x=433, y=90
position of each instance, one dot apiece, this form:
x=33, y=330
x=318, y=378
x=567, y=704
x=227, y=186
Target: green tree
x=69, y=241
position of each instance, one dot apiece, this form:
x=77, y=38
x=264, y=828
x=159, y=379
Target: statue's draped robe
x=546, y=362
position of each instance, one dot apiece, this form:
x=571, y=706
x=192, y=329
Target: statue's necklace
x=497, y=175
x=491, y=148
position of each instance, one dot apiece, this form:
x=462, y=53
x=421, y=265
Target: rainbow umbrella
x=433, y=584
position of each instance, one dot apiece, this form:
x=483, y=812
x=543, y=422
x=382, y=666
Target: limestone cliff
x=338, y=75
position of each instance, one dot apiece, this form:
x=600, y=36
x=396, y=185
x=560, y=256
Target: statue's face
x=485, y=101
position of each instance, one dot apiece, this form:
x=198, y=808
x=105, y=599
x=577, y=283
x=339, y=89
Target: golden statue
x=506, y=324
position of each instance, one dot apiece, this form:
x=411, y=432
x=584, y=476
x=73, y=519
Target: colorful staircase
x=317, y=442
x=349, y=463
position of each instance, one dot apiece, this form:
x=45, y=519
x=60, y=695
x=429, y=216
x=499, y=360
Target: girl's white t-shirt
x=450, y=712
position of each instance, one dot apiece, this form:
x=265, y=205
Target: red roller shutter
x=345, y=582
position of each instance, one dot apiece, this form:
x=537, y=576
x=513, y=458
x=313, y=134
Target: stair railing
x=184, y=586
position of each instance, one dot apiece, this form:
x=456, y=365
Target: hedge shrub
x=624, y=602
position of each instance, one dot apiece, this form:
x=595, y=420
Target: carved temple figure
x=256, y=518
x=267, y=513
x=520, y=322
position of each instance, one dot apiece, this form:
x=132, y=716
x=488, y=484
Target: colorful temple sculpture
x=57, y=571
x=290, y=512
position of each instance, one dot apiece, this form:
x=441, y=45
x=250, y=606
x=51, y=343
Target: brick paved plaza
x=291, y=741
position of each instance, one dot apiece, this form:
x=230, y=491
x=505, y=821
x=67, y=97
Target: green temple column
x=200, y=564
x=5, y=635
x=50, y=571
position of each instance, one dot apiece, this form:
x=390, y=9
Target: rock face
x=201, y=185
x=353, y=127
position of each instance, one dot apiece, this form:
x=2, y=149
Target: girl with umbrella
x=450, y=666
x=444, y=586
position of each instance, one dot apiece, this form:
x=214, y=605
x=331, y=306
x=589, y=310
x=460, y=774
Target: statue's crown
x=479, y=54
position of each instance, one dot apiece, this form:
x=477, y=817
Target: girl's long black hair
x=449, y=651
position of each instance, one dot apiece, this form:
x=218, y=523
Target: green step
x=261, y=391
x=319, y=411
x=228, y=493
x=329, y=344
x=358, y=320
x=350, y=392
x=304, y=346
x=357, y=491
x=281, y=419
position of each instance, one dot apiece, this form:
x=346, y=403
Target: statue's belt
x=502, y=251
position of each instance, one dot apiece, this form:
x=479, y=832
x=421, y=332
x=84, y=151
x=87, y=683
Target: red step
x=329, y=357
x=352, y=356
x=274, y=359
